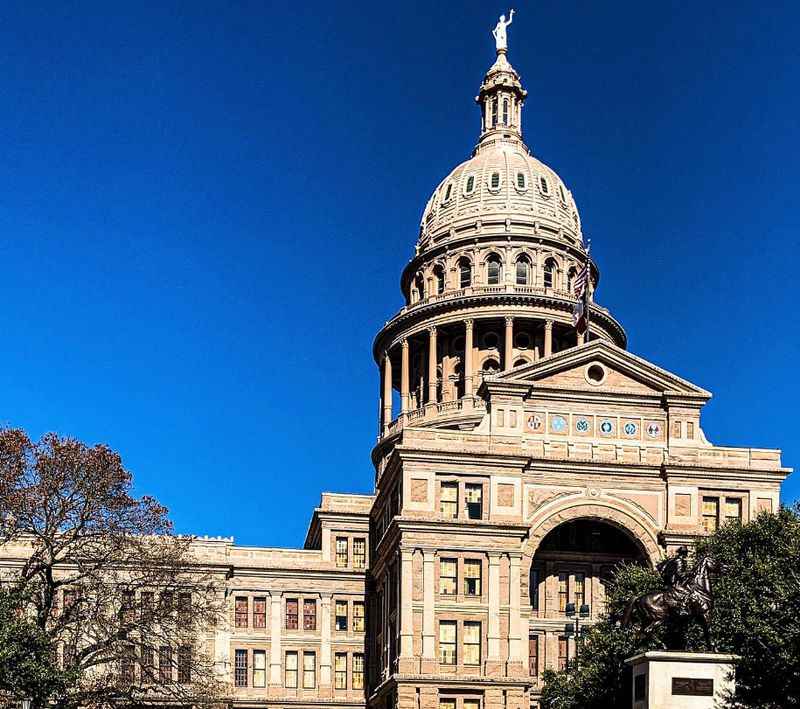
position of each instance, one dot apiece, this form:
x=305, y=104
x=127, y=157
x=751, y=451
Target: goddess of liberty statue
x=499, y=32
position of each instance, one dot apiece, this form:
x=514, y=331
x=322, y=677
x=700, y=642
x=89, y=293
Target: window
x=571, y=279
x=341, y=615
x=259, y=668
x=185, y=664
x=309, y=670
x=341, y=552
x=544, y=186
x=563, y=592
x=533, y=655
x=358, y=670
x=448, y=191
x=184, y=608
x=438, y=275
x=472, y=577
x=309, y=614
x=291, y=614
x=472, y=704
x=523, y=269
x=580, y=591
x=126, y=670
x=166, y=603
x=147, y=601
x=494, y=181
x=494, y=111
x=359, y=553
x=447, y=642
x=469, y=187
x=240, y=668
x=733, y=509
x=474, y=498
x=690, y=429
x=561, y=193
x=241, y=612
x=127, y=609
x=165, y=663
x=290, y=676
x=447, y=703
x=148, y=663
x=464, y=273
x=472, y=643
x=260, y=612
x=549, y=272
x=447, y=577
x=448, y=504
x=563, y=657
x=493, y=270
x=522, y=181
x=358, y=616
x=505, y=111
x=535, y=580
x=710, y=514
x=340, y=670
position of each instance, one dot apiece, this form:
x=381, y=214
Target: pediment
x=622, y=373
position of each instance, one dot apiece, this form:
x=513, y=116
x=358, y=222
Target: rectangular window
x=309, y=670
x=710, y=514
x=128, y=609
x=291, y=614
x=472, y=643
x=580, y=591
x=690, y=429
x=447, y=642
x=147, y=601
x=447, y=703
x=733, y=509
x=448, y=579
x=259, y=612
x=533, y=655
x=448, y=502
x=240, y=668
x=340, y=670
x=259, y=668
x=563, y=657
x=309, y=614
x=185, y=664
x=165, y=663
x=474, y=498
x=166, y=603
x=535, y=580
x=341, y=552
x=472, y=577
x=126, y=670
x=472, y=704
x=148, y=664
x=242, y=608
x=358, y=670
x=184, y=608
x=359, y=553
x=290, y=679
x=341, y=615
x=563, y=592
x=358, y=616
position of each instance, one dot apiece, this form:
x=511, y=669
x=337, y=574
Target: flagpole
x=588, y=287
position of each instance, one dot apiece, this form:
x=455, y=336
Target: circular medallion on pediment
x=582, y=425
x=607, y=427
x=631, y=428
x=558, y=424
x=534, y=423
x=653, y=430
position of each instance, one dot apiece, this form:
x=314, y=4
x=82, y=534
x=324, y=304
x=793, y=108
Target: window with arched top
x=571, y=278
x=544, y=186
x=505, y=111
x=494, y=181
x=438, y=277
x=493, y=270
x=448, y=191
x=494, y=112
x=550, y=270
x=419, y=285
x=469, y=185
x=561, y=193
x=490, y=366
x=464, y=273
x=520, y=362
x=523, y=271
x=522, y=181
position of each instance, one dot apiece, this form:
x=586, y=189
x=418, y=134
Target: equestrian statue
x=687, y=596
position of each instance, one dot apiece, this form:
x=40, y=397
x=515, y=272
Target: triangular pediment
x=619, y=372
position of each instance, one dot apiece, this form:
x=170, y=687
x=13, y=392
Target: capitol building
x=517, y=463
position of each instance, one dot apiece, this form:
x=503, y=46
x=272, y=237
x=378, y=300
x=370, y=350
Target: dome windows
x=521, y=181
x=448, y=192
x=491, y=341
x=562, y=194
x=493, y=270
x=544, y=186
x=469, y=184
x=464, y=273
x=523, y=270
x=438, y=277
x=522, y=341
x=494, y=181
x=505, y=111
x=550, y=271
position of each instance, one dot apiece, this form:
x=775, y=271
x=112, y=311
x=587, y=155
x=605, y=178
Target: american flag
x=581, y=281
x=580, y=311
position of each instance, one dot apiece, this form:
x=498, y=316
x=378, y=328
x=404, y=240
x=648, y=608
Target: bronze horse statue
x=688, y=596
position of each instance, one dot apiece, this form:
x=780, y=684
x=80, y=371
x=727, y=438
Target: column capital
x=494, y=556
x=469, y=323
x=509, y=319
x=548, y=325
x=404, y=343
x=432, y=329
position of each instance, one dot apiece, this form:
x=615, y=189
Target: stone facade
x=524, y=462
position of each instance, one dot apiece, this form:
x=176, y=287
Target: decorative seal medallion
x=582, y=425
x=558, y=424
x=607, y=427
x=535, y=422
x=653, y=430
x=631, y=428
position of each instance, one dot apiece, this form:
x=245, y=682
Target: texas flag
x=580, y=311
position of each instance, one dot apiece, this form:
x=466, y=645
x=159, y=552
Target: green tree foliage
x=756, y=616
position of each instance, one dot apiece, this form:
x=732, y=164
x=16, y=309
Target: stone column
x=406, y=609
x=275, y=652
x=548, y=338
x=493, y=631
x=428, y=612
x=517, y=650
x=432, y=365
x=325, y=644
x=468, y=328
x=508, y=352
x=387, y=390
x=404, y=384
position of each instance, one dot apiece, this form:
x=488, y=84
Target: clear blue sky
x=205, y=208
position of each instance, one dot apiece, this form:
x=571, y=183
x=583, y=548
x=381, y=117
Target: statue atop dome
x=499, y=32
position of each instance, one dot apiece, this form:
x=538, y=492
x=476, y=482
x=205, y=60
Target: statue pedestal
x=680, y=680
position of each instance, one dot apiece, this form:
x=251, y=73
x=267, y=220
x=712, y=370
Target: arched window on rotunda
x=464, y=273
x=523, y=270
x=493, y=270
x=550, y=271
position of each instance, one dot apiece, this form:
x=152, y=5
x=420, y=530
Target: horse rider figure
x=675, y=572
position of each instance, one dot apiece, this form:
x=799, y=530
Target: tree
x=102, y=603
x=756, y=616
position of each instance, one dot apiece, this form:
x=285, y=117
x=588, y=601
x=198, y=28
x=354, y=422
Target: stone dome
x=502, y=181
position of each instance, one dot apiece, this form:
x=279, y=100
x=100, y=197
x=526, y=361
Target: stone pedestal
x=680, y=680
